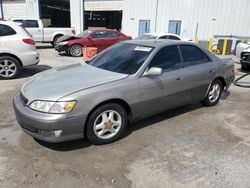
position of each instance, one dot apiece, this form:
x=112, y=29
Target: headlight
x=53, y=107
x=62, y=43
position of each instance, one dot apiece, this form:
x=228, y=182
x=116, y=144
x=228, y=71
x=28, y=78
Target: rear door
x=33, y=27
x=97, y=40
x=163, y=92
x=111, y=38
x=198, y=71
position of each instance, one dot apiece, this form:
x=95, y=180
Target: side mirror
x=153, y=71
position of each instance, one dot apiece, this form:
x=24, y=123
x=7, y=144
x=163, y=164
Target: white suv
x=17, y=50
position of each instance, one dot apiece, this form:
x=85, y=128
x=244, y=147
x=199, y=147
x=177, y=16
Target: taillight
x=29, y=41
x=73, y=31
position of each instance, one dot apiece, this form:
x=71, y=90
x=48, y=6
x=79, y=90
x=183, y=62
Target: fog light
x=57, y=133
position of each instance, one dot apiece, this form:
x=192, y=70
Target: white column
x=32, y=9
x=77, y=15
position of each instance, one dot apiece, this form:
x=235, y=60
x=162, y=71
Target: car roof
x=161, y=34
x=157, y=42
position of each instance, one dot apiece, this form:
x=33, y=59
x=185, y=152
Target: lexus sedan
x=101, y=39
x=127, y=82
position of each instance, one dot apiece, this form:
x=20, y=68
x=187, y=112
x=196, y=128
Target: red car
x=101, y=39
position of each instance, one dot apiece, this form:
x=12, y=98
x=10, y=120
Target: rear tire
x=106, y=124
x=244, y=67
x=55, y=39
x=9, y=67
x=76, y=50
x=214, y=94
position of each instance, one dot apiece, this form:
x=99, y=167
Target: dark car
x=101, y=39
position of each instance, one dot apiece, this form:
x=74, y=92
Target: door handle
x=180, y=78
x=212, y=71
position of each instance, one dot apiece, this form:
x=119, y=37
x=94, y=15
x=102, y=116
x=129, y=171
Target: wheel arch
x=224, y=84
x=14, y=56
x=121, y=102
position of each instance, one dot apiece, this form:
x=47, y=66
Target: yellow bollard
x=196, y=40
x=224, y=50
x=210, y=46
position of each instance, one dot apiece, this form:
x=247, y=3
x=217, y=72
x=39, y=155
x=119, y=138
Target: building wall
x=224, y=17
x=103, y=5
x=14, y=8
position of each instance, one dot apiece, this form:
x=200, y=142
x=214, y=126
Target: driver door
x=159, y=93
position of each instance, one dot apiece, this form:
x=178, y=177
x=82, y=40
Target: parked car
x=127, y=82
x=42, y=34
x=17, y=50
x=245, y=59
x=241, y=47
x=148, y=36
x=101, y=39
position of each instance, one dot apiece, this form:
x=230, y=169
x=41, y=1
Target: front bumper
x=61, y=48
x=41, y=125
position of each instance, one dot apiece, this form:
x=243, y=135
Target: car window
x=167, y=58
x=163, y=37
x=192, y=55
x=6, y=30
x=122, y=58
x=110, y=34
x=31, y=24
x=99, y=34
x=171, y=37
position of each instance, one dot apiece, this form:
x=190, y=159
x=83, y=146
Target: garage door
x=103, y=5
x=14, y=9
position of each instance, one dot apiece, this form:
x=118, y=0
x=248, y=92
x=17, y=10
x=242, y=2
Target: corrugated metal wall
x=14, y=9
x=224, y=17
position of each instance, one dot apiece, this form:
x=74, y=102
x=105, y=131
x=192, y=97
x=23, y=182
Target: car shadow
x=150, y=121
x=32, y=70
x=45, y=46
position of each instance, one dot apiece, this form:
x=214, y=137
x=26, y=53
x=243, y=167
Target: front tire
x=214, y=94
x=76, y=50
x=106, y=124
x=9, y=67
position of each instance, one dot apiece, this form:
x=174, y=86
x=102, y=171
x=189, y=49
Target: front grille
x=24, y=100
x=245, y=56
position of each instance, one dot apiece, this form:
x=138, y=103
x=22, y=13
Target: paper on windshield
x=143, y=49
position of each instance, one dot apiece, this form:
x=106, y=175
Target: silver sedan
x=127, y=82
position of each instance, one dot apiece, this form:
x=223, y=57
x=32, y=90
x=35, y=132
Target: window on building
x=192, y=55
x=6, y=30
x=167, y=58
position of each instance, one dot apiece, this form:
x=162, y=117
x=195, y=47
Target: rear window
x=6, y=30
x=28, y=23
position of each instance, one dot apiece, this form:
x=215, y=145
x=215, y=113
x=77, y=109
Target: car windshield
x=146, y=37
x=122, y=58
x=83, y=34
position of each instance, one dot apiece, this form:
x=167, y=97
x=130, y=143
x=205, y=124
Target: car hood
x=54, y=84
x=66, y=38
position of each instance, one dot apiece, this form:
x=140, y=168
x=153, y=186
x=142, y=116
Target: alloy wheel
x=7, y=68
x=107, y=124
x=214, y=92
